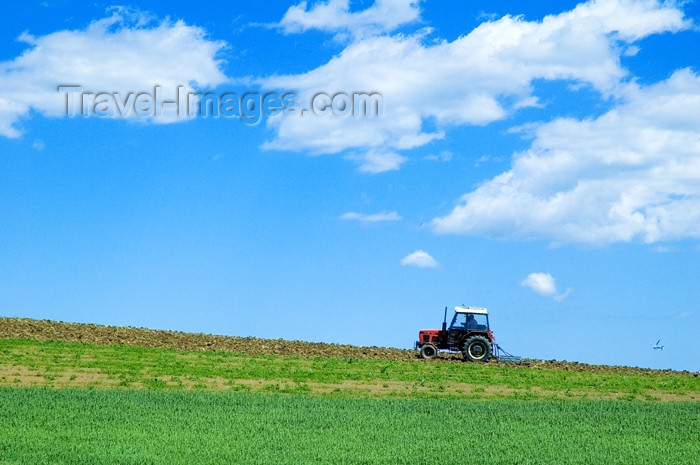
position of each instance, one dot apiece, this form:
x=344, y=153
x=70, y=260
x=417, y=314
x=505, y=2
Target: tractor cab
x=467, y=319
x=468, y=333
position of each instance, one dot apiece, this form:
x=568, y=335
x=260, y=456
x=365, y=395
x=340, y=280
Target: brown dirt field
x=105, y=335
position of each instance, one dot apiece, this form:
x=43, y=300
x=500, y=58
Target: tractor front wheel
x=428, y=351
x=477, y=349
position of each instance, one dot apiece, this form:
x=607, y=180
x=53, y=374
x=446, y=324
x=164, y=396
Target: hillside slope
x=42, y=330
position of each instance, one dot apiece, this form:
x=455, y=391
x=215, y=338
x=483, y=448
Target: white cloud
x=420, y=259
x=445, y=155
x=684, y=315
x=543, y=284
x=476, y=79
x=125, y=52
x=377, y=161
x=335, y=16
x=373, y=218
x=633, y=173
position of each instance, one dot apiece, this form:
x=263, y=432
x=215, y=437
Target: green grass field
x=59, y=364
x=69, y=426
x=70, y=403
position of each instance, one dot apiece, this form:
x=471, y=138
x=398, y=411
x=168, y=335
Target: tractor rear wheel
x=428, y=351
x=477, y=349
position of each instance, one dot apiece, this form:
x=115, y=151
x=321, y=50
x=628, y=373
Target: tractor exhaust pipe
x=444, y=322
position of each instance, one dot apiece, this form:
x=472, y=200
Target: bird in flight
x=657, y=345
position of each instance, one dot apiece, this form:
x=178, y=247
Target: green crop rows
x=70, y=426
x=58, y=364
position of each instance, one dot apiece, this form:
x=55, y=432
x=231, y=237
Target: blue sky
x=541, y=160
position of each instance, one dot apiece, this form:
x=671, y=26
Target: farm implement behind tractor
x=468, y=333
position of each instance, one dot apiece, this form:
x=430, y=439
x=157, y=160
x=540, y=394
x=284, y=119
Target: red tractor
x=468, y=333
